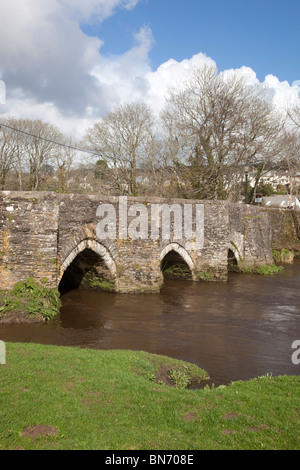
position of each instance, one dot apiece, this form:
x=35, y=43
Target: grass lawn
x=71, y=398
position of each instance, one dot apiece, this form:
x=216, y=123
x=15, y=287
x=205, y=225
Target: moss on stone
x=92, y=281
x=266, y=269
x=283, y=256
x=203, y=276
x=207, y=273
x=177, y=272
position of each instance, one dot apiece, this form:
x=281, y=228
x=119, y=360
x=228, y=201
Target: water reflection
x=235, y=330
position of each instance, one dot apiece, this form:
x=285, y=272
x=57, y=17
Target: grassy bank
x=69, y=398
x=29, y=301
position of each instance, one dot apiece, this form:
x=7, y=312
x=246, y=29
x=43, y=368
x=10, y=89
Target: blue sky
x=70, y=62
x=261, y=34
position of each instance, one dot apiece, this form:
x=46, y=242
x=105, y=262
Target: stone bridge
x=126, y=244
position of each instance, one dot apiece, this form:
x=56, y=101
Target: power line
x=50, y=141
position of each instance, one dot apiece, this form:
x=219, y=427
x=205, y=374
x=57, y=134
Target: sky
x=70, y=62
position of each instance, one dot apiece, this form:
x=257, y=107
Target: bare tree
x=291, y=145
x=174, y=157
x=294, y=114
x=13, y=125
x=63, y=159
x=291, y=158
x=8, y=149
x=124, y=140
x=220, y=123
x=40, y=143
x=34, y=150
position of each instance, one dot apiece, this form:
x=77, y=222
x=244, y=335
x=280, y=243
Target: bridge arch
x=183, y=254
x=95, y=246
x=235, y=249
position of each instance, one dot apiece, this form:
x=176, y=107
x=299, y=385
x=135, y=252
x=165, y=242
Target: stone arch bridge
x=125, y=244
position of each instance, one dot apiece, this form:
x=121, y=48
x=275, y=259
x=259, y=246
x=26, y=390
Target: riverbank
x=29, y=302
x=32, y=302
x=70, y=398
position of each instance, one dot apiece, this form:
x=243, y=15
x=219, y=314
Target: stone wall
x=28, y=237
x=41, y=235
x=250, y=235
x=285, y=229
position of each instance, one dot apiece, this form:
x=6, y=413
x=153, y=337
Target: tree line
x=210, y=128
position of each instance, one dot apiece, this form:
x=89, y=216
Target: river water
x=235, y=331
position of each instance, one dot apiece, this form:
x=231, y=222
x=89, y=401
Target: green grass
x=265, y=270
x=123, y=400
x=30, y=299
x=283, y=256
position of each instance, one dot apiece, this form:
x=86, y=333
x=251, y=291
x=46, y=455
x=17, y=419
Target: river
x=235, y=331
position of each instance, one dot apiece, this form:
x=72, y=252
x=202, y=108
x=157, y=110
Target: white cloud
x=247, y=73
x=284, y=95
x=55, y=72
x=124, y=77
x=47, y=61
x=89, y=9
x=170, y=74
x=45, y=53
